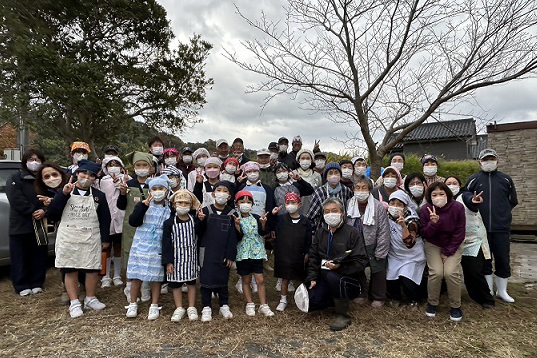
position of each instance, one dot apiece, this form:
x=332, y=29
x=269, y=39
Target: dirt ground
x=37, y=326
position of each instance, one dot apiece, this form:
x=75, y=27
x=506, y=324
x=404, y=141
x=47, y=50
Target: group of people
x=179, y=218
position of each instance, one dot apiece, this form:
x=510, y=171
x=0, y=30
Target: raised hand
x=294, y=175
x=115, y=179
x=401, y=220
x=242, y=176
x=433, y=216
x=148, y=200
x=263, y=218
x=123, y=187
x=237, y=222
x=277, y=209
x=201, y=215
x=199, y=176
x=477, y=199
x=69, y=187
x=316, y=145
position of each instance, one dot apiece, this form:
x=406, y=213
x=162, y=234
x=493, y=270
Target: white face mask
x=141, y=172
x=114, y=170
x=264, y=166
x=170, y=161
x=283, y=148
x=53, y=183
x=187, y=159
x=362, y=196
x=390, y=182
x=454, y=189
x=291, y=208
x=439, y=201
x=157, y=150
x=320, y=163
x=174, y=182
x=221, y=198
x=332, y=219
x=360, y=170
x=399, y=166
x=182, y=210
x=158, y=195
x=282, y=176
x=416, y=190
x=347, y=173
x=273, y=156
x=33, y=165
x=489, y=165
x=395, y=211
x=231, y=169
x=245, y=208
x=305, y=164
x=201, y=161
x=79, y=156
x=252, y=176
x=333, y=179
x=430, y=170
x=85, y=183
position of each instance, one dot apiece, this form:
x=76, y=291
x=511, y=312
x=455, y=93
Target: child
x=180, y=253
x=177, y=180
x=205, y=182
x=291, y=245
x=218, y=250
x=82, y=234
x=229, y=168
x=145, y=262
x=251, y=251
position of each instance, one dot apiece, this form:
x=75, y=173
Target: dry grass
x=38, y=326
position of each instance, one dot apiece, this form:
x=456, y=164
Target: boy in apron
x=82, y=234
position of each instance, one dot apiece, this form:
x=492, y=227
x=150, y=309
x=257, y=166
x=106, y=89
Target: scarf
x=304, y=173
x=369, y=215
x=334, y=191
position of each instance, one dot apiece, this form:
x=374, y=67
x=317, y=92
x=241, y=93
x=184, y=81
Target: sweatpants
x=28, y=262
x=476, y=285
x=206, y=295
x=409, y=288
x=332, y=285
x=500, y=245
x=448, y=270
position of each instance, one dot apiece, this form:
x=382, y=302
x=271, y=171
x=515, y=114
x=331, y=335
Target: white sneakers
x=106, y=282
x=93, y=303
x=281, y=306
x=154, y=312
x=26, y=292
x=250, y=309
x=265, y=309
x=192, y=313
x=37, y=290
x=206, y=314
x=132, y=310
x=117, y=281
x=178, y=314
x=226, y=312
x=75, y=310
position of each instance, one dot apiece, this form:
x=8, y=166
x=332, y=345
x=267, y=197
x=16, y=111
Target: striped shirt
x=185, y=255
x=320, y=194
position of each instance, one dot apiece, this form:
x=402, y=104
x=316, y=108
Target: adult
x=430, y=169
x=186, y=162
x=391, y=181
x=28, y=256
x=347, y=173
x=397, y=160
x=222, y=149
x=415, y=188
x=290, y=158
x=332, y=270
x=200, y=155
x=500, y=195
x=368, y=214
x=319, y=159
x=266, y=167
x=283, y=145
x=238, y=151
x=110, y=151
x=443, y=225
x=476, y=247
x=79, y=151
x=360, y=166
x=306, y=164
x=274, y=151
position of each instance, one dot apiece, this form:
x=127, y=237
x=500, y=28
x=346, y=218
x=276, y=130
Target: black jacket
x=23, y=202
x=499, y=198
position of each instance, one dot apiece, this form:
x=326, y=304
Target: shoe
x=501, y=290
x=37, y=290
x=154, y=312
x=226, y=312
x=430, y=310
x=377, y=304
x=132, y=310
x=75, y=310
x=206, y=314
x=94, y=304
x=253, y=285
x=455, y=314
x=281, y=306
x=279, y=285
x=164, y=289
x=64, y=299
x=178, y=314
x=117, y=281
x=343, y=319
x=184, y=288
x=146, y=291
x=106, y=282
x=250, y=309
x=26, y=292
x=359, y=300
x=238, y=286
x=265, y=309
x=291, y=287
x=192, y=313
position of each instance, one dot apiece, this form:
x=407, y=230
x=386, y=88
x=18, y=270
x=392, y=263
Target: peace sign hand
x=294, y=175
x=123, y=187
x=199, y=176
x=433, y=216
x=401, y=220
x=316, y=145
x=242, y=176
x=277, y=209
x=263, y=218
x=237, y=222
x=477, y=199
x=201, y=215
x=69, y=187
x=148, y=200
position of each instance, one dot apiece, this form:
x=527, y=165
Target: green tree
x=85, y=69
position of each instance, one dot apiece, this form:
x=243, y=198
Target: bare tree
x=389, y=65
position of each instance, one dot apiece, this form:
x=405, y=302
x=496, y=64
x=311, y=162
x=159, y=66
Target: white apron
x=402, y=261
x=78, y=241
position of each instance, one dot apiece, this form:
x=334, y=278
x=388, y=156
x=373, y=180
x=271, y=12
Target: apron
x=208, y=199
x=78, y=241
x=134, y=196
x=260, y=198
x=402, y=261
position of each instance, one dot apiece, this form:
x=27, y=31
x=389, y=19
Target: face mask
x=439, y=201
x=283, y=148
x=231, y=169
x=187, y=159
x=174, y=182
x=454, y=189
x=252, y=177
x=157, y=150
x=78, y=157
x=416, y=190
x=33, y=165
x=182, y=210
x=141, y=172
x=332, y=219
x=245, y=208
x=489, y=165
x=221, y=198
x=395, y=211
x=158, y=195
x=333, y=180
x=430, y=171
x=399, y=166
x=212, y=172
x=360, y=170
x=282, y=176
x=53, y=183
x=273, y=156
x=201, y=161
x=320, y=163
x=114, y=170
x=291, y=208
x=85, y=183
x=305, y=164
x=264, y=166
x=362, y=196
x=347, y=173
x=170, y=161
x=390, y=182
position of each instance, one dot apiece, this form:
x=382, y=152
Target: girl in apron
x=145, y=258
x=82, y=234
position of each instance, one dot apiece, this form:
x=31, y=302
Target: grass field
x=37, y=326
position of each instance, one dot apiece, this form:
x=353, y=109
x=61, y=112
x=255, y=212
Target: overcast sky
x=231, y=113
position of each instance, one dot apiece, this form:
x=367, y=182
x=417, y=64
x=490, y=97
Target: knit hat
x=332, y=165
x=172, y=150
x=213, y=160
x=292, y=196
x=427, y=157
x=297, y=139
x=160, y=180
x=401, y=196
x=302, y=151
x=250, y=166
x=140, y=156
x=80, y=145
x=199, y=151
x=397, y=155
x=88, y=165
x=107, y=160
x=243, y=193
x=185, y=194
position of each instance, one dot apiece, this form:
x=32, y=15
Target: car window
x=5, y=175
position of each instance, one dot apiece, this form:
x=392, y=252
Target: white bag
x=302, y=298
